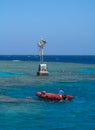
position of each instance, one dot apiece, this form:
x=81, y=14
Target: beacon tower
x=42, y=69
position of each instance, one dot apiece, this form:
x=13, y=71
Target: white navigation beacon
x=42, y=70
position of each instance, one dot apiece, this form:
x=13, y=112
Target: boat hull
x=51, y=96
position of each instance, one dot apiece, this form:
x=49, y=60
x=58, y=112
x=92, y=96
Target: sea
x=21, y=109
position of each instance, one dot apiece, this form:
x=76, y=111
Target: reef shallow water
x=21, y=109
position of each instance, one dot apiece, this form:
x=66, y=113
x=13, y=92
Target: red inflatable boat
x=52, y=96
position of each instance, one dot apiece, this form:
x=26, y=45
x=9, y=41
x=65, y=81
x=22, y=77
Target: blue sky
x=68, y=26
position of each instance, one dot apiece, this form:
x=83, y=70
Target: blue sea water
x=57, y=58
x=21, y=109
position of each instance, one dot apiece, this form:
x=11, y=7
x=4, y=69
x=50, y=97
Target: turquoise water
x=20, y=109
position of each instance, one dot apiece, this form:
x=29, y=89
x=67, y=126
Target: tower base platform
x=42, y=70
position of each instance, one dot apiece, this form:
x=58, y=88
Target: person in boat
x=61, y=93
x=43, y=92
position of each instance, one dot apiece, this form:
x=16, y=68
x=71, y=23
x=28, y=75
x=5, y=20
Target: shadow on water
x=8, y=99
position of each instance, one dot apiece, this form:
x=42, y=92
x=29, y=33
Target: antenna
x=42, y=37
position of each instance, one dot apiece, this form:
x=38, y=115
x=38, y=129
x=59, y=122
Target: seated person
x=43, y=92
x=61, y=92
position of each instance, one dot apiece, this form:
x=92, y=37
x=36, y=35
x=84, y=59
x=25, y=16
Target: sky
x=68, y=26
